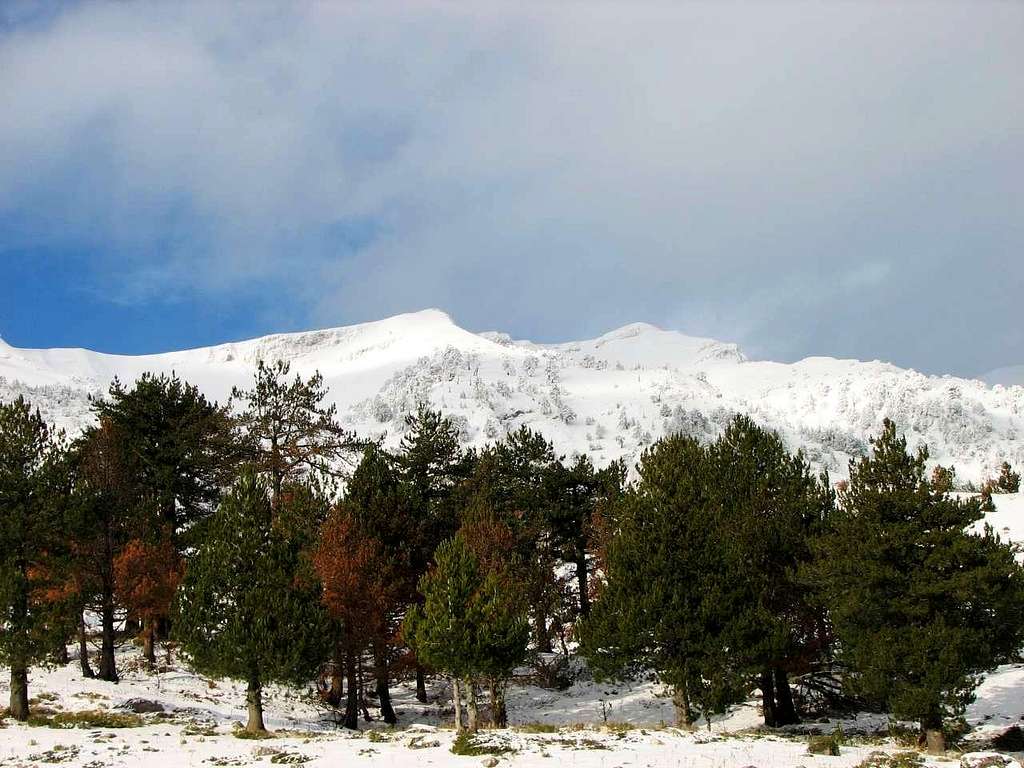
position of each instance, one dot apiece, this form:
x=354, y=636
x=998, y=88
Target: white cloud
x=548, y=169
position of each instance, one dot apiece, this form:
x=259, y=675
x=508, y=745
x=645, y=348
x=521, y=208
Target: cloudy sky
x=842, y=178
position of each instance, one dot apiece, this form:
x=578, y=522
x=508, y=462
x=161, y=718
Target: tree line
x=275, y=546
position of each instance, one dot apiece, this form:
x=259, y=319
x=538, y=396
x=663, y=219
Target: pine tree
x=471, y=626
x=146, y=576
x=578, y=491
x=31, y=469
x=105, y=507
x=380, y=507
x=183, y=449
x=246, y=608
x=432, y=466
x=921, y=605
x=289, y=432
x=701, y=570
x=523, y=491
x=358, y=592
x=660, y=573
x=770, y=505
x=1008, y=480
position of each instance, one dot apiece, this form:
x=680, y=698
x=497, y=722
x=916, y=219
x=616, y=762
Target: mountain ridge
x=610, y=396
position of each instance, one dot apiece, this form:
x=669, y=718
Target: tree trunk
x=149, y=644
x=108, y=666
x=83, y=649
x=352, y=701
x=471, y=710
x=785, y=712
x=421, y=685
x=499, y=712
x=61, y=654
x=932, y=736
x=457, y=702
x=337, y=690
x=362, y=692
x=582, y=582
x=540, y=628
x=254, y=701
x=681, y=701
x=19, y=690
x=387, y=712
x=768, y=698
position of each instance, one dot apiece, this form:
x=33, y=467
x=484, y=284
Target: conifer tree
x=146, y=575
x=288, y=430
x=105, y=506
x=701, y=571
x=246, y=607
x=770, y=504
x=921, y=605
x=523, y=491
x=660, y=573
x=31, y=465
x=432, y=465
x=1008, y=480
x=470, y=626
x=358, y=592
x=182, y=449
x=381, y=508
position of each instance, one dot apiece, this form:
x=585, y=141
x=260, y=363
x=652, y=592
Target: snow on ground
x=609, y=397
x=198, y=724
x=1008, y=518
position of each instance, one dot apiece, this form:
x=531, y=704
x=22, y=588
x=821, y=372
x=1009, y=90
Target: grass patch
x=241, y=733
x=89, y=718
x=823, y=745
x=898, y=760
x=468, y=745
x=537, y=728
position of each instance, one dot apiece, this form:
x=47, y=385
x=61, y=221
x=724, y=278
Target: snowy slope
x=610, y=396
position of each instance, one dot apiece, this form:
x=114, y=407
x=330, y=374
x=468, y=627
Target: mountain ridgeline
x=609, y=397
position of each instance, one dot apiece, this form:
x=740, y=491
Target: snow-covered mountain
x=609, y=397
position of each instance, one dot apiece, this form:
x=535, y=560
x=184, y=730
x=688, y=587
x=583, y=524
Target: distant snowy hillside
x=609, y=397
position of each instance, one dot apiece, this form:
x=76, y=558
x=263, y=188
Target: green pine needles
x=243, y=610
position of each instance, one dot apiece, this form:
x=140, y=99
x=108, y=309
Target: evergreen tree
x=770, y=505
x=31, y=465
x=943, y=478
x=660, y=576
x=358, y=592
x=1008, y=480
x=182, y=449
x=523, y=491
x=106, y=506
x=921, y=605
x=701, y=570
x=146, y=575
x=432, y=465
x=471, y=625
x=578, y=491
x=289, y=432
x=380, y=507
x=247, y=608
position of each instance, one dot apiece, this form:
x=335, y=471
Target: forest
x=264, y=542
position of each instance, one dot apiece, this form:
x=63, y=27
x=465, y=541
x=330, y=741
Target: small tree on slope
x=245, y=608
x=29, y=531
x=920, y=606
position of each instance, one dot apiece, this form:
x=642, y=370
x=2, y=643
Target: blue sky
x=802, y=178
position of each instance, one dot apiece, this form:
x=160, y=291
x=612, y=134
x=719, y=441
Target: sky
x=802, y=178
